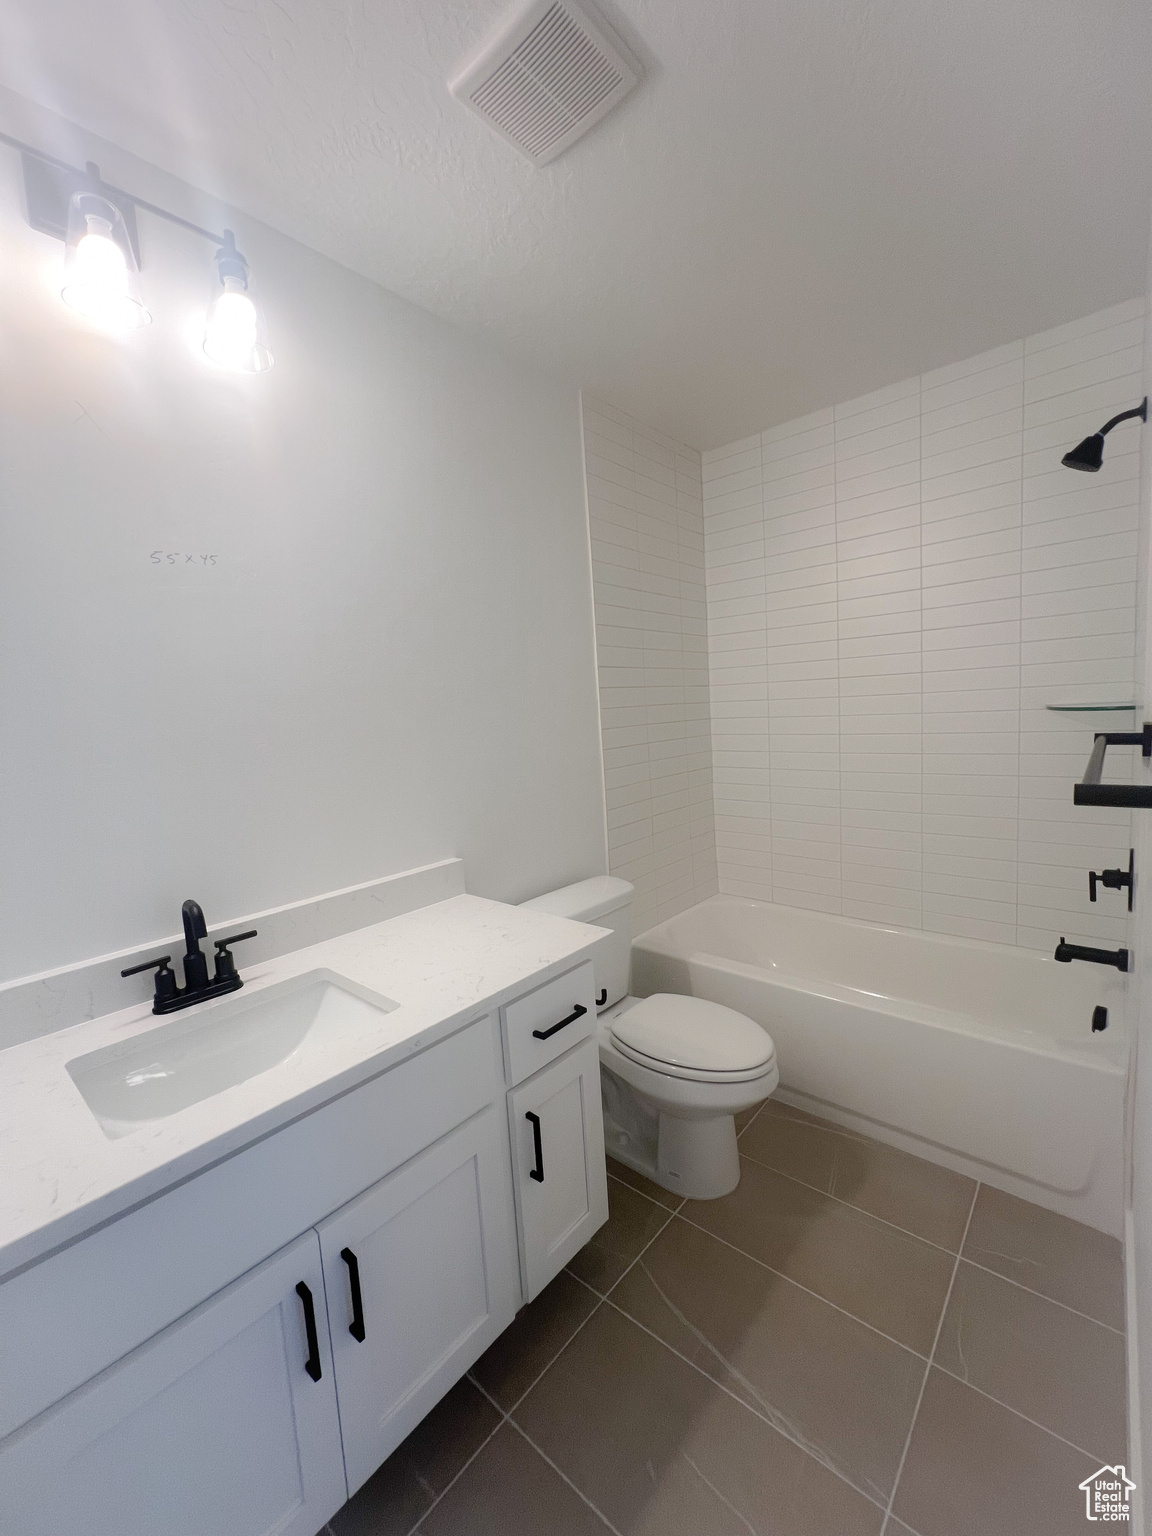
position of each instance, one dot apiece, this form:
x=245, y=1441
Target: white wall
x=1138, y=1244
x=646, y=519
x=897, y=586
x=390, y=661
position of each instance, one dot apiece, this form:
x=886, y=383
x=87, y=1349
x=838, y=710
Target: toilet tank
x=607, y=903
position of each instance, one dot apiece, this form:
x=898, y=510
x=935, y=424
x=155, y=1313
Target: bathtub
x=978, y=1056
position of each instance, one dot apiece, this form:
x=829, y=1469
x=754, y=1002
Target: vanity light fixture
x=234, y=334
x=101, y=278
x=97, y=223
x=1089, y=455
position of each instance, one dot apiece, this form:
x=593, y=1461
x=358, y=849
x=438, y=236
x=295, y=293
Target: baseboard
x=1135, y=1436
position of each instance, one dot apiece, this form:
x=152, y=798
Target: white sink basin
x=201, y=1053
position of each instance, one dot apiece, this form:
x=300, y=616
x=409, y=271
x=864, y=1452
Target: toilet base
x=678, y=1132
x=696, y=1158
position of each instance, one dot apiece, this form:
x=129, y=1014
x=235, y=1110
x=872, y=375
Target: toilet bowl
x=674, y=1070
x=668, y=1108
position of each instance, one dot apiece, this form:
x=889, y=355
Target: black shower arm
x=1140, y=410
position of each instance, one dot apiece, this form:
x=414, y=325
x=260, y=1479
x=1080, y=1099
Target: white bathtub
x=978, y=1056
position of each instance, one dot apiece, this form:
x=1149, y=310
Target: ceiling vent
x=547, y=77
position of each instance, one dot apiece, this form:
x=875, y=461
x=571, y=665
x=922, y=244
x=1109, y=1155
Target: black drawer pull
x=356, y=1326
x=537, y=1173
x=602, y=997
x=577, y=1013
x=312, y=1364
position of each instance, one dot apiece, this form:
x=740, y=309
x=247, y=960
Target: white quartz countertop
x=443, y=965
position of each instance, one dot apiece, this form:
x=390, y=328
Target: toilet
x=674, y=1070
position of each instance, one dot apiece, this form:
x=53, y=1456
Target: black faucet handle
x=165, y=978
x=225, y=963
x=134, y=970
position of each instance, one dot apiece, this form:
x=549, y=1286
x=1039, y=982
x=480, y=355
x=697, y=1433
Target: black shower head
x=1089, y=454
x=1086, y=455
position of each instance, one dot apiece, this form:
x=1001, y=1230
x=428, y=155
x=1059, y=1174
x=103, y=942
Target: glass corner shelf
x=1092, y=709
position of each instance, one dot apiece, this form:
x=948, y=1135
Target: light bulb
x=97, y=283
x=230, y=336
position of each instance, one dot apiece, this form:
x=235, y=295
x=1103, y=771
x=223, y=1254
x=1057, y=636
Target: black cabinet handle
x=537, y=1173
x=577, y=1013
x=312, y=1364
x=602, y=997
x=356, y=1326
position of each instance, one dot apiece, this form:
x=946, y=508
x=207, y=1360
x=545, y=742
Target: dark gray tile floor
x=854, y=1341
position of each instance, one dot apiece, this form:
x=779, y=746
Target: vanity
x=244, y=1251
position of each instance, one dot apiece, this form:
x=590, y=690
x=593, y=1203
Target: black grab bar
x=1090, y=791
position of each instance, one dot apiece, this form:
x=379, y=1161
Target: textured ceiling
x=803, y=200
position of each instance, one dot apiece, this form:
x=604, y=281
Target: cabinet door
x=213, y=1428
x=421, y=1277
x=558, y=1150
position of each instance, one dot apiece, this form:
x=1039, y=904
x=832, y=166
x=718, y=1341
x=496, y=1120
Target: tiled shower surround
x=646, y=518
x=896, y=588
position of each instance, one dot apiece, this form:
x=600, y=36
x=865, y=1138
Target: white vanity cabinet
x=557, y=1133
x=555, y=1123
x=213, y=1428
x=417, y=1287
x=237, y=1354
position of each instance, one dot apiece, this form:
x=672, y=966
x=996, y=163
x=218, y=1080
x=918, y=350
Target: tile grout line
x=1035, y=1423
x=928, y=1368
x=756, y=1413
x=941, y=1247
x=800, y=1286
x=652, y=1200
x=583, y=1497
x=506, y=1415
x=412, y=1530
x=760, y=1108
x=1063, y=1305
x=859, y=1209
x=578, y=1328
x=643, y=1251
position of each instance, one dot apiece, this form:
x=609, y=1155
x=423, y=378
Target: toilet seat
x=689, y=1037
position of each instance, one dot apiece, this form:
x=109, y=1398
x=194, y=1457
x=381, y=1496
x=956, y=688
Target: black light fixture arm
x=92, y=173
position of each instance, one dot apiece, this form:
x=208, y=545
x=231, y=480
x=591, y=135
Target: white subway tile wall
x=646, y=519
x=896, y=588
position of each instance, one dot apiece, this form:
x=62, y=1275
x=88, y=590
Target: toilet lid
x=693, y=1034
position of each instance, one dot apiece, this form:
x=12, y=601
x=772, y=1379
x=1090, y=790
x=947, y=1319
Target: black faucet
x=197, y=983
x=1068, y=952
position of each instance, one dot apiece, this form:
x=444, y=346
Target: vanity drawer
x=66, y=1318
x=546, y=1023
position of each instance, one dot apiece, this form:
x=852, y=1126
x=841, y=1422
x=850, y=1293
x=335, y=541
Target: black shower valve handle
x=1114, y=879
